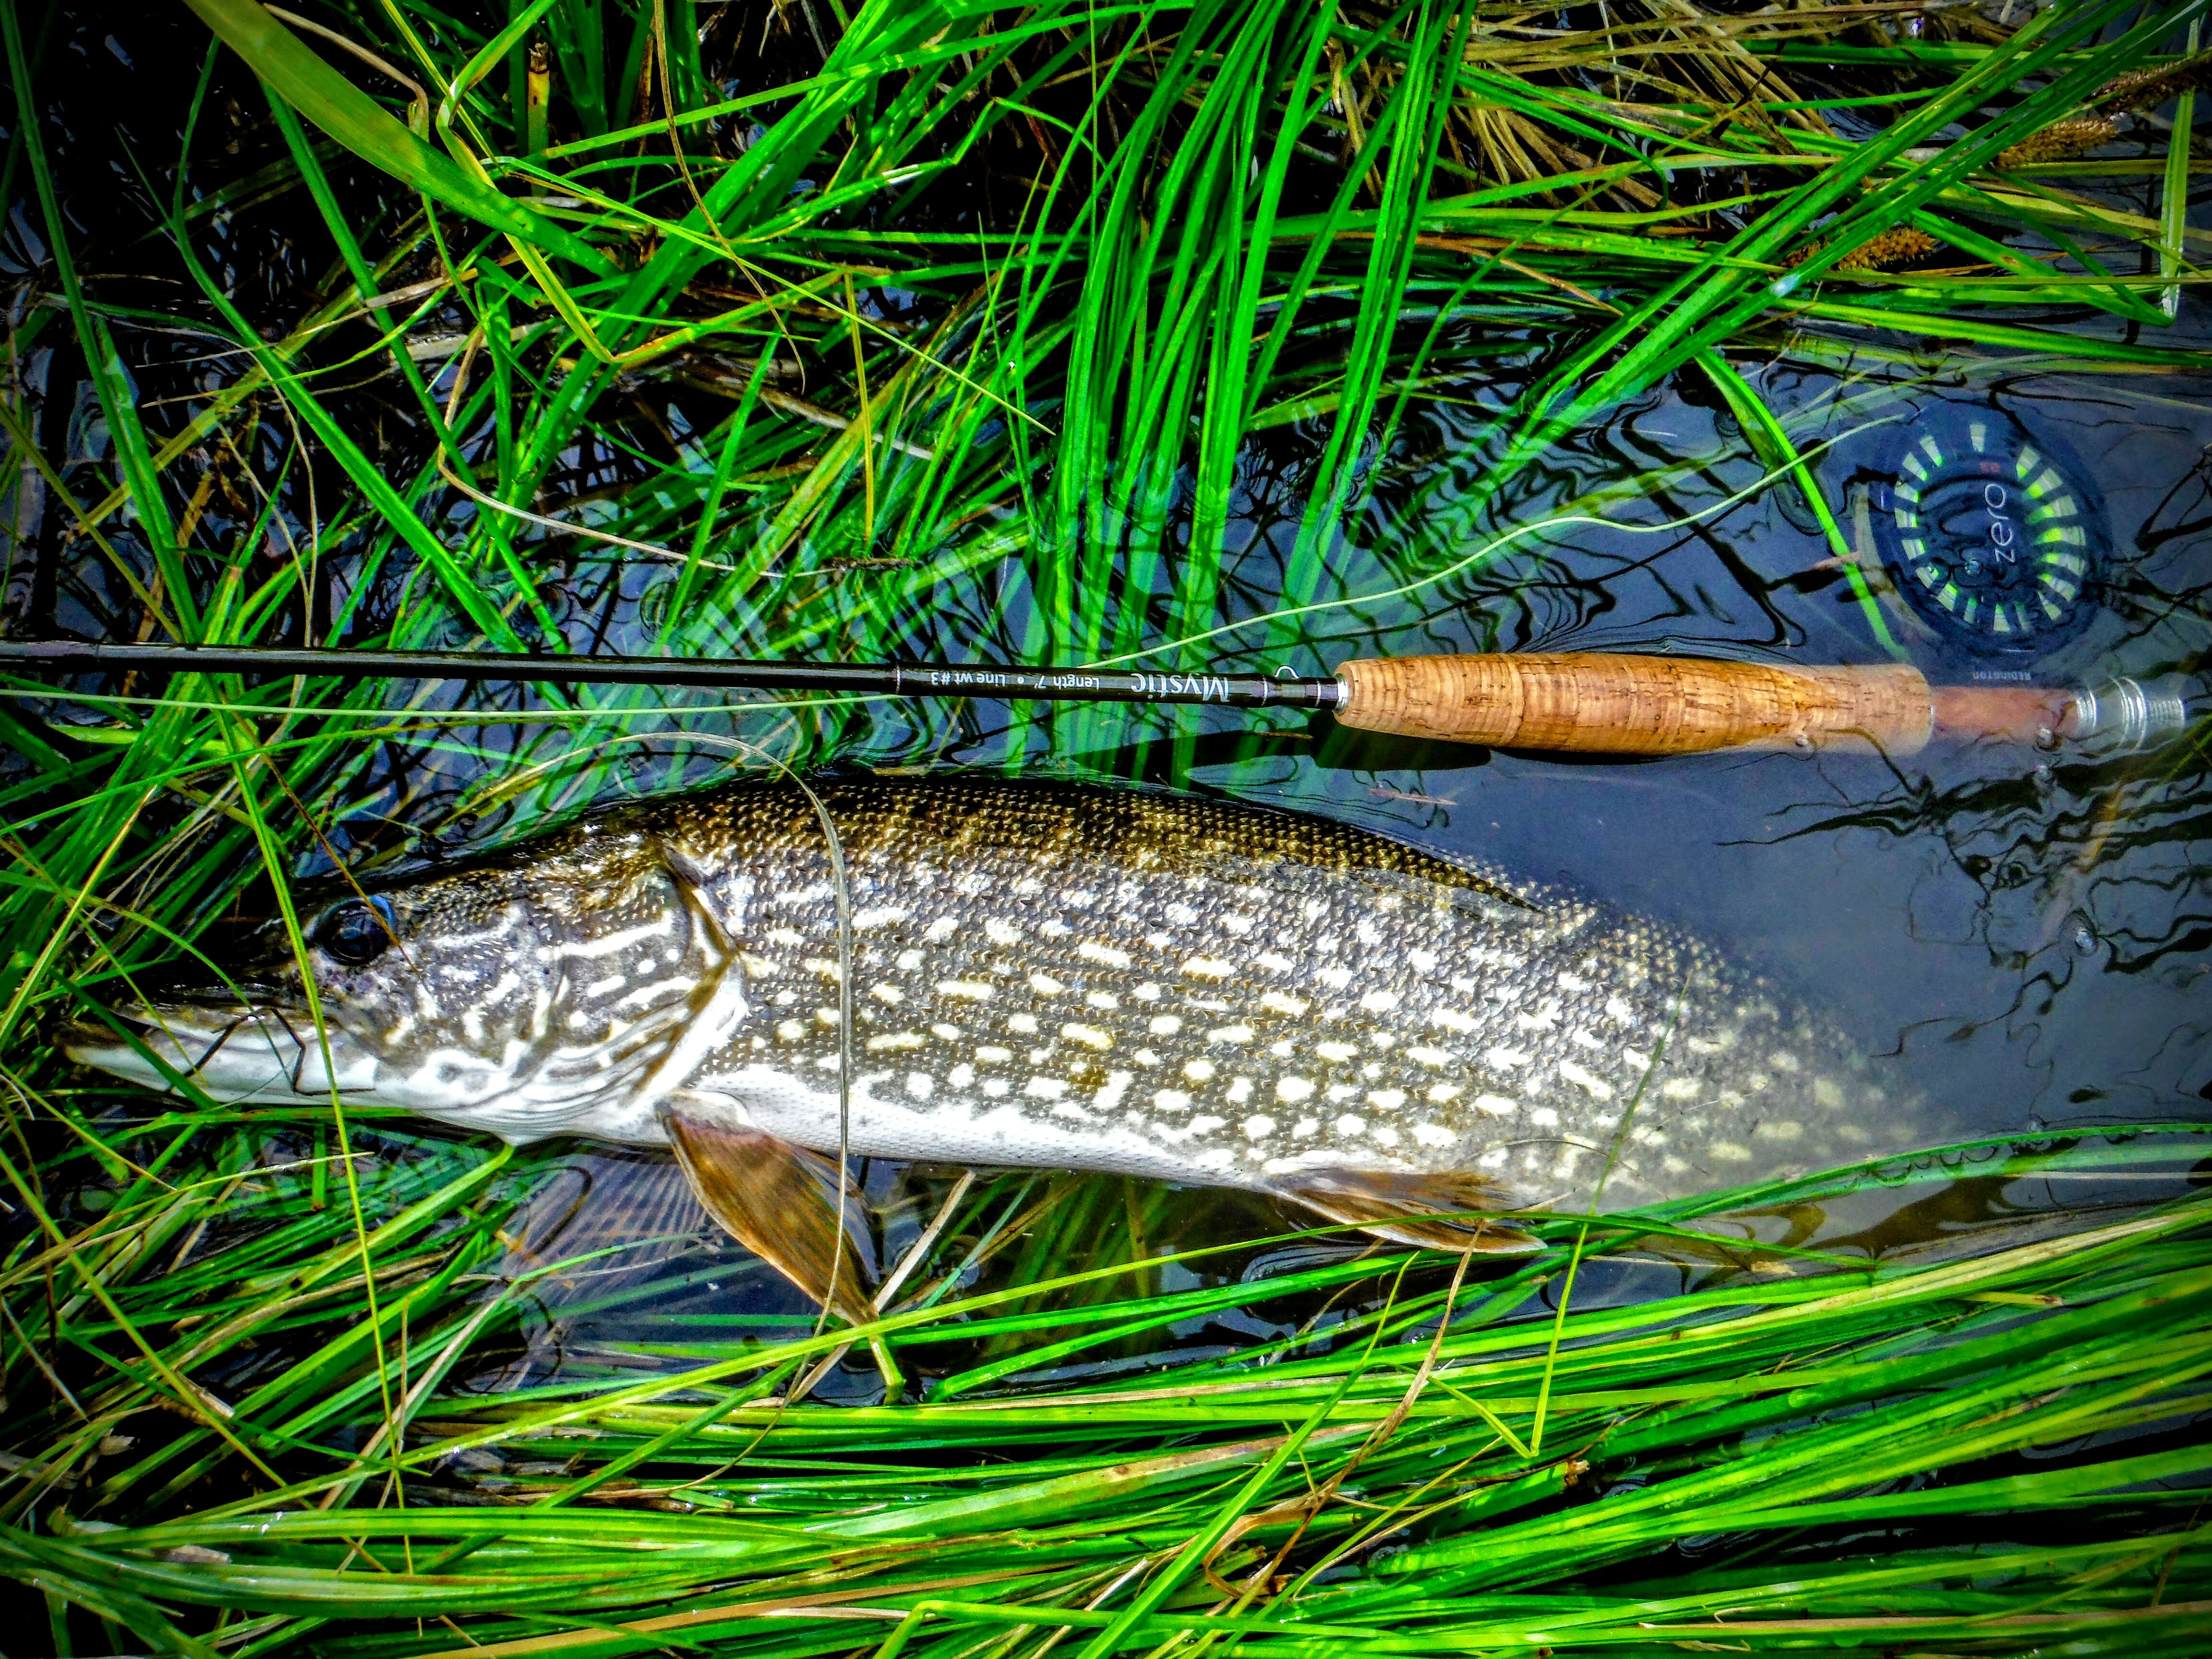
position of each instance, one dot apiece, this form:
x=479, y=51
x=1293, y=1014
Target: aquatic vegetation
x=1231, y=333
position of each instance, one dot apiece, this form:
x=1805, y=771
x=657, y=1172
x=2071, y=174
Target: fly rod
x=1581, y=703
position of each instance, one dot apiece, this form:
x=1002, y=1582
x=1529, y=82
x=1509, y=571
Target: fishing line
x=1504, y=538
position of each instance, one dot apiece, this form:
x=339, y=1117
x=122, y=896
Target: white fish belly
x=948, y=1126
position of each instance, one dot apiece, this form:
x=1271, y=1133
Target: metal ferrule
x=2122, y=716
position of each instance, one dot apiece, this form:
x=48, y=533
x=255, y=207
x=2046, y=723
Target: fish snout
x=232, y=1053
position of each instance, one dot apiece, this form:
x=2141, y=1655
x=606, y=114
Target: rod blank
x=726, y=674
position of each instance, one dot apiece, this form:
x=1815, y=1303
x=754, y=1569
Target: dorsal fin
x=1430, y=1212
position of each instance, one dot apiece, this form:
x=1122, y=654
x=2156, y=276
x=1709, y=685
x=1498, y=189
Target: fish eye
x=357, y=933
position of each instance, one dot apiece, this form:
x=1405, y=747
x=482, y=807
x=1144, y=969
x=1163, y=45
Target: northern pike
x=1044, y=974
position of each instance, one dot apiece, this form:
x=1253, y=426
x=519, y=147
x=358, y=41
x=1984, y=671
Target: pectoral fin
x=1425, y=1211
x=780, y=1201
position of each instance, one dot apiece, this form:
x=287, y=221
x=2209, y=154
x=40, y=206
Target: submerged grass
x=1062, y=333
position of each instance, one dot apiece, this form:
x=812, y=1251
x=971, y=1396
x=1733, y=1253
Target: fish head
x=520, y=995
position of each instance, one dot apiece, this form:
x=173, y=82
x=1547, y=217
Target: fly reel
x=1997, y=538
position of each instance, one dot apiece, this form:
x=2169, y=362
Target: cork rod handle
x=1600, y=703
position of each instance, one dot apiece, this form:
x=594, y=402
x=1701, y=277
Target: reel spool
x=1996, y=538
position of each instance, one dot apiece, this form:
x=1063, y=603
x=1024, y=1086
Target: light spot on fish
x=1679, y=1088
x=1387, y=1135
x=1349, y=1124
x=1544, y=1118
x=1337, y=1052
x=991, y=1055
x=1164, y=1024
x=1000, y=931
x=1197, y=1071
x=919, y=1084
x=1240, y=1091
x=825, y=966
x=1573, y=983
x=1024, y=1024
x=889, y=993
x=1276, y=1002
x=1497, y=1105
x=1591, y=1084
x=1273, y=961
x=995, y=1087
x=1584, y=1040
x=975, y=990
x=1209, y=968
x=1171, y=1100
x=950, y=1033
x=1146, y=1057
x=1729, y=1151
x=881, y=915
x=1091, y=951
x=1105, y=1000
x=1201, y=1125
x=1046, y=1088
x=1148, y=992
x=1452, y=1020
x=1117, y=1085
x=1304, y=1127
x=1053, y=927
x=898, y=1040
x=1432, y=1134
x=1045, y=984
x=1293, y=1090
x=940, y=930
x=790, y=1030
x=600, y=987
x=1619, y=1010
x=1364, y=932
x=1442, y=1093
x=1386, y=1100
x=1431, y=1056
x=1229, y=1034
x=1159, y=938
x=1782, y=1062
x=908, y=961
x=786, y=936
x=1259, y=1126
x=961, y=1075
x=1781, y=1130
x=1090, y=1035
x=1335, y=978
x=1379, y=1002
